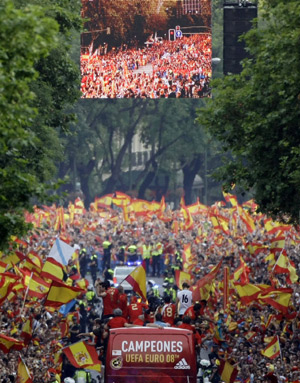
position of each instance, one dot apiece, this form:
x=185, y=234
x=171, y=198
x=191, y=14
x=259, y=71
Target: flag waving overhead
x=61, y=252
x=24, y=375
x=60, y=293
x=83, y=355
x=272, y=350
x=227, y=371
x=137, y=279
x=283, y=266
x=181, y=277
x=204, y=285
x=278, y=298
x=7, y=343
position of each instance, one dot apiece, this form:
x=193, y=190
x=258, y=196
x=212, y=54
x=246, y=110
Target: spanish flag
x=187, y=256
x=227, y=371
x=36, y=286
x=230, y=198
x=283, y=266
x=272, y=350
x=24, y=375
x=83, y=355
x=60, y=293
x=278, y=298
x=205, y=284
x=3, y=266
x=182, y=276
x=7, y=343
x=242, y=272
x=26, y=333
x=137, y=279
x=7, y=281
x=248, y=293
x=53, y=270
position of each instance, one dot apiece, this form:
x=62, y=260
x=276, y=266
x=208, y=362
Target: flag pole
x=26, y=293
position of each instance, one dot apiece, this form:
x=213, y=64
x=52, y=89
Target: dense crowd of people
x=180, y=69
x=102, y=239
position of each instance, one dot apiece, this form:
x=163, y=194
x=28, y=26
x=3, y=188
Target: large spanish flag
x=37, y=287
x=7, y=343
x=26, y=332
x=284, y=266
x=230, y=198
x=182, y=276
x=137, y=279
x=203, y=287
x=248, y=293
x=52, y=270
x=278, y=298
x=24, y=375
x=7, y=281
x=83, y=355
x=272, y=350
x=60, y=293
x=227, y=371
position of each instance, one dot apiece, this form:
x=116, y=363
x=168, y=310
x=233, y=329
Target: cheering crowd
x=201, y=241
x=180, y=69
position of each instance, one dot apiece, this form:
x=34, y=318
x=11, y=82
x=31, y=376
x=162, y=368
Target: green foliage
x=256, y=115
x=37, y=82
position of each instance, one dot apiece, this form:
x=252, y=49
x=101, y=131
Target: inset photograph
x=146, y=49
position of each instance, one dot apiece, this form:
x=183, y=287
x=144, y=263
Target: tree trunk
x=190, y=171
x=84, y=172
x=147, y=180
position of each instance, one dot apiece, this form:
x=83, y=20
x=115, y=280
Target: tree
x=256, y=114
x=31, y=105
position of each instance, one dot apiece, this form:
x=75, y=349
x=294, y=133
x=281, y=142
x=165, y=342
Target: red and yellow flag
x=248, y=293
x=26, y=333
x=278, y=298
x=230, y=198
x=24, y=375
x=242, y=272
x=83, y=355
x=272, y=350
x=283, y=266
x=52, y=270
x=204, y=285
x=60, y=293
x=7, y=343
x=7, y=281
x=227, y=371
x=181, y=277
x=137, y=279
x=37, y=287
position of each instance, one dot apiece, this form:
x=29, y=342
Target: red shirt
x=135, y=310
x=114, y=296
x=123, y=305
x=116, y=322
x=187, y=326
x=107, y=306
x=168, y=313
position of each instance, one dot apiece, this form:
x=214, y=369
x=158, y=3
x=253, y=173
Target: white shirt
x=184, y=300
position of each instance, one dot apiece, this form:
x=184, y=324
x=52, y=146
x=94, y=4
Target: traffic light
x=172, y=36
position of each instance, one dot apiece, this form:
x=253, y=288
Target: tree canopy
x=37, y=82
x=256, y=115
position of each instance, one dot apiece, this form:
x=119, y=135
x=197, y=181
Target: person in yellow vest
x=146, y=249
x=82, y=376
x=132, y=255
x=157, y=251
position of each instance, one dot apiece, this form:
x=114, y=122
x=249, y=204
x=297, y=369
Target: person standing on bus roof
x=184, y=299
